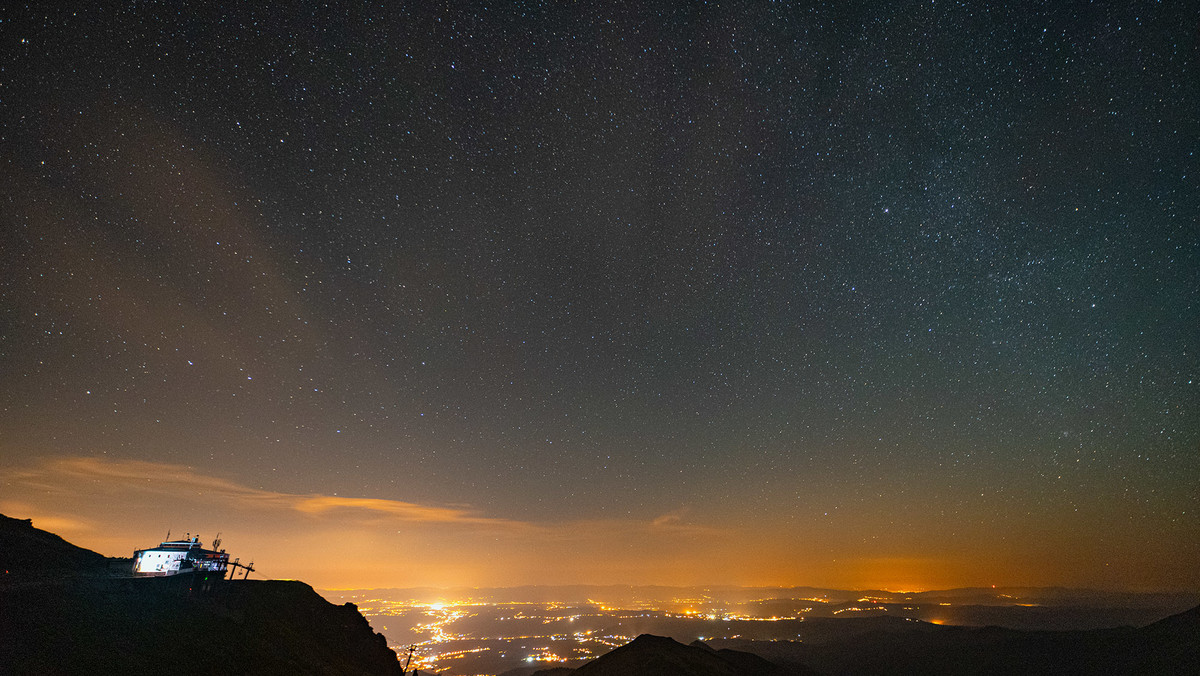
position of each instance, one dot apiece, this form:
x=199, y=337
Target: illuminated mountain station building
x=175, y=557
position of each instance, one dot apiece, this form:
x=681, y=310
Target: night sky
x=846, y=294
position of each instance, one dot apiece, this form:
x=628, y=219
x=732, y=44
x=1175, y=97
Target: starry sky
x=851, y=294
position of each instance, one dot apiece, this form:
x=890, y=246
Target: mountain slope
x=32, y=552
x=75, y=622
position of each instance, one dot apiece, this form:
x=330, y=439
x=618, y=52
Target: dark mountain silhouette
x=30, y=552
x=540, y=671
x=1178, y=626
x=649, y=655
x=62, y=611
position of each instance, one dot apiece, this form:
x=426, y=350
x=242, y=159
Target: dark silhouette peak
x=650, y=655
x=28, y=551
x=651, y=642
x=1185, y=623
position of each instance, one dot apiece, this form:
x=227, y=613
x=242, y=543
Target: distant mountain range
x=1028, y=608
x=888, y=645
x=632, y=595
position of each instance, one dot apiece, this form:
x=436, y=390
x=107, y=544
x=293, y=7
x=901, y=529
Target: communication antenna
x=168, y=538
x=217, y=542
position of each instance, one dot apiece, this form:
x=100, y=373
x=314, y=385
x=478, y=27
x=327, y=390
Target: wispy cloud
x=671, y=519
x=181, y=482
x=404, y=511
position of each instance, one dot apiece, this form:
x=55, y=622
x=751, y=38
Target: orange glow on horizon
x=334, y=542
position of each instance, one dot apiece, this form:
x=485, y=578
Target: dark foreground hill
x=61, y=619
x=660, y=656
x=29, y=552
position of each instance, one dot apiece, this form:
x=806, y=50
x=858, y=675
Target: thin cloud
x=180, y=481
x=671, y=519
x=405, y=511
